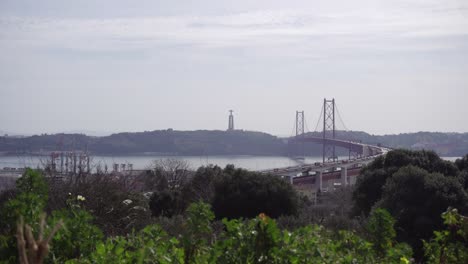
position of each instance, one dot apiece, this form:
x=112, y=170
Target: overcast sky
x=115, y=65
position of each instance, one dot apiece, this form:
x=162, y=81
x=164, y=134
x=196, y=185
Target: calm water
x=143, y=162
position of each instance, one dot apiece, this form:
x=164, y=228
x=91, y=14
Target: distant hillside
x=164, y=142
x=216, y=142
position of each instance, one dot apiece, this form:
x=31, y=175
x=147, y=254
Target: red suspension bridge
x=330, y=168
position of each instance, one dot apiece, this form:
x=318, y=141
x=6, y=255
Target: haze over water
x=144, y=162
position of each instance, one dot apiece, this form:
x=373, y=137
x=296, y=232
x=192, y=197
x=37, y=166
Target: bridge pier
x=318, y=181
x=344, y=176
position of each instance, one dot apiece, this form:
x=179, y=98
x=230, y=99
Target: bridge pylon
x=328, y=151
x=300, y=123
x=300, y=131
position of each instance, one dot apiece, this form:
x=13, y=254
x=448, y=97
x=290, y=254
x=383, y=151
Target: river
x=144, y=162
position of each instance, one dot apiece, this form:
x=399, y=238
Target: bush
x=416, y=198
x=116, y=210
x=451, y=244
x=241, y=193
x=167, y=203
x=78, y=236
x=29, y=204
x=381, y=231
x=369, y=186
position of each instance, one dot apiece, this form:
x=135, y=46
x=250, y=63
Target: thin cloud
x=376, y=29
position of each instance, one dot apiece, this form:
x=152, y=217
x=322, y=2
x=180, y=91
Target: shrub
x=167, y=203
x=449, y=245
x=78, y=237
x=381, y=231
x=241, y=193
x=28, y=204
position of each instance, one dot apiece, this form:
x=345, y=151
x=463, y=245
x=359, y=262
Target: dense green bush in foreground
x=415, y=187
x=200, y=239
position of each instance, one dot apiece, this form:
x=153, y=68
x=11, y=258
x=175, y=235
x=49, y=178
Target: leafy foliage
x=29, y=203
x=381, y=231
x=150, y=245
x=167, y=203
x=415, y=187
x=116, y=210
x=79, y=235
x=417, y=198
x=241, y=193
x=407, y=194
x=369, y=187
x=450, y=245
x=198, y=229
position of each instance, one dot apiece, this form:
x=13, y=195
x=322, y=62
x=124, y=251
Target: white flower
x=127, y=201
x=139, y=208
x=80, y=198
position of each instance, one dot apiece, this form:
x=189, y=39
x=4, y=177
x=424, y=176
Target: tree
x=462, y=164
x=368, y=189
x=169, y=180
x=202, y=185
x=416, y=198
x=241, y=193
x=369, y=186
x=169, y=173
x=167, y=203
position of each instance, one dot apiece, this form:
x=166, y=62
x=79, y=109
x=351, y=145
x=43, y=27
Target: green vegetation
x=450, y=245
x=235, y=216
x=243, y=194
x=233, y=193
x=416, y=187
x=380, y=228
x=258, y=240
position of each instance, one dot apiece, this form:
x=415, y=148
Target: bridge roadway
x=366, y=154
x=299, y=170
x=356, y=147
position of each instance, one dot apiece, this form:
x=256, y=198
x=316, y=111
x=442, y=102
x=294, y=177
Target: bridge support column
x=344, y=176
x=318, y=181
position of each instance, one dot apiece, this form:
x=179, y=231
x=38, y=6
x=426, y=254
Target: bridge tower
x=231, y=121
x=328, y=151
x=299, y=123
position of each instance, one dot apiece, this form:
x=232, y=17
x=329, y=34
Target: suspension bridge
x=331, y=169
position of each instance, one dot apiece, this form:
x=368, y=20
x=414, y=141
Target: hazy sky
x=115, y=65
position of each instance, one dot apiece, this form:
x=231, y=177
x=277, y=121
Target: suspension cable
x=318, y=121
x=293, y=131
x=306, y=127
x=341, y=119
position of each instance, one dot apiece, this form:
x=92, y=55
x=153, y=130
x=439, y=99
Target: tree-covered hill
x=168, y=142
x=217, y=142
